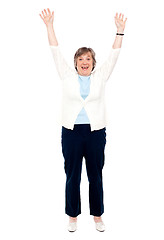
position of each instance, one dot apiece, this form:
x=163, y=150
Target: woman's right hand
x=47, y=17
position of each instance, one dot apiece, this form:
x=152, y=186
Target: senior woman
x=83, y=120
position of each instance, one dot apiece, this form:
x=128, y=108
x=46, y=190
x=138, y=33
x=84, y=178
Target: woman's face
x=85, y=64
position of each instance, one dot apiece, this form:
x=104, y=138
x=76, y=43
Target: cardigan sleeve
x=62, y=67
x=106, y=69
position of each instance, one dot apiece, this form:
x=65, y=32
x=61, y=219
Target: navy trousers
x=76, y=144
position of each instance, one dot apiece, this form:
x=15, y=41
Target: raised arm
x=106, y=69
x=61, y=65
x=48, y=19
x=120, y=24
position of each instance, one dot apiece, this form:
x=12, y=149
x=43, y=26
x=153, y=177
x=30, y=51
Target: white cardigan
x=72, y=102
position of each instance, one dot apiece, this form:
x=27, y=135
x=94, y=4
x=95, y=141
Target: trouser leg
x=94, y=155
x=73, y=154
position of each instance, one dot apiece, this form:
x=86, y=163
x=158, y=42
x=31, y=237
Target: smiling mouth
x=84, y=68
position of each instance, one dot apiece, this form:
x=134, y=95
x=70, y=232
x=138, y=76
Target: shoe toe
x=100, y=226
x=72, y=227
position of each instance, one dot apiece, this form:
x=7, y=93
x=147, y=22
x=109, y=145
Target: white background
x=32, y=178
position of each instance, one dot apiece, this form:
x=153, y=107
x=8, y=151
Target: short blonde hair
x=82, y=51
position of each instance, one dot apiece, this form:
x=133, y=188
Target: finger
x=49, y=11
x=116, y=17
x=125, y=20
x=45, y=12
x=42, y=18
x=120, y=15
x=40, y=15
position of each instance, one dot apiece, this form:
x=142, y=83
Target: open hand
x=47, y=17
x=120, y=23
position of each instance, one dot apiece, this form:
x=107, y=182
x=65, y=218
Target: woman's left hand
x=120, y=23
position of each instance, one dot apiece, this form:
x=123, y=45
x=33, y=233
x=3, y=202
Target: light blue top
x=84, y=82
